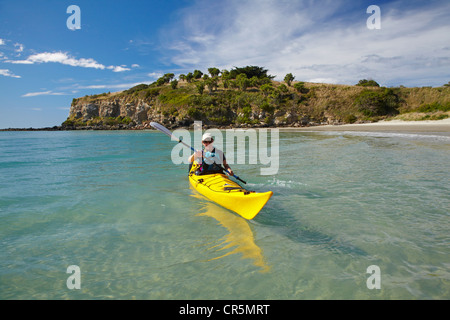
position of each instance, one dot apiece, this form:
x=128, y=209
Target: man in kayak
x=210, y=159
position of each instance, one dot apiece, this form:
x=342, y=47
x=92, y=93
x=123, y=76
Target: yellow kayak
x=227, y=193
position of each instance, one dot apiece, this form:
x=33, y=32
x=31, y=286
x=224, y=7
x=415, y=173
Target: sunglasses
x=206, y=142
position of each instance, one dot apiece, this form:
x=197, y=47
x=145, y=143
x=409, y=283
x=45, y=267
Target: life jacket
x=211, y=162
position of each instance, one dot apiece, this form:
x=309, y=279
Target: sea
x=100, y=215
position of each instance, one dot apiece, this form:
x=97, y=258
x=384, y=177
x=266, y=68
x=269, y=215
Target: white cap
x=207, y=137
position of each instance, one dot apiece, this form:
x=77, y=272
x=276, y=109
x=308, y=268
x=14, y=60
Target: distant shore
x=441, y=126
x=54, y=128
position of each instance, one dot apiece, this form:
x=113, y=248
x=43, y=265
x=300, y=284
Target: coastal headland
x=248, y=97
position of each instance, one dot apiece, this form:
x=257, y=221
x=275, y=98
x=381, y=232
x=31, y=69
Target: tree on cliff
x=212, y=83
x=200, y=87
x=368, y=83
x=197, y=74
x=288, y=79
x=225, y=74
x=250, y=72
x=165, y=79
x=189, y=77
x=214, y=72
x=242, y=81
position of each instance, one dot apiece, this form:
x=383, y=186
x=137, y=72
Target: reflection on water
x=240, y=236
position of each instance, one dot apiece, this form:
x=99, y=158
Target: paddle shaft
x=168, y=133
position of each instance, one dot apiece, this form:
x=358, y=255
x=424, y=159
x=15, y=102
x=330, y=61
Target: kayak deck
x=220, y=189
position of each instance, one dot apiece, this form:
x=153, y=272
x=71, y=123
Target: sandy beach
x=436, y=126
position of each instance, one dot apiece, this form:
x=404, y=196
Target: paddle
x=234, y=176
x=169, y=134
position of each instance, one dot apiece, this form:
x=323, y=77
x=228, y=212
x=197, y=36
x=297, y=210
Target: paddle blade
x=161, y=128
x=167, y=132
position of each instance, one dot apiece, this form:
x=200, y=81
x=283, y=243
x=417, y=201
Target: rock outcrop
x=138, y=112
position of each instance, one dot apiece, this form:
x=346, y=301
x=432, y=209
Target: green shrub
x=223, y=120
x=68, y=123
x=194, y=113
x=351, y=118
x=200, y=87
x=94, y=122
x=367, y=83
x=267, y=107
x=267, y=89
x=300, y=87
x=137, y=88
x=435, y=116
x=177, y=97
x=151, y=93
x=434, y=107
x=377, y=103
x=250, y=72
x=126, y=120
x=242, y=81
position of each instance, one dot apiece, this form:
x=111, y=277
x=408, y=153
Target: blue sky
x=44, y=65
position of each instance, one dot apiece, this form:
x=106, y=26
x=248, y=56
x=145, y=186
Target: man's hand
x=198, y=154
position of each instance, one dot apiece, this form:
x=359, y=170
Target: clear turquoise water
x=114, y=204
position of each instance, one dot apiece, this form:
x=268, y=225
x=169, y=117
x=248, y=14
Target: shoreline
x=424, y=126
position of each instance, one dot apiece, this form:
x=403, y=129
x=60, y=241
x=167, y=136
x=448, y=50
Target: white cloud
x=322, y=80
x=19, y=47
x=155, y=75
x=43, y=93
x=66, y=59
x=59, y=57
x=109, y=86
x=2, y=42
x=315, y=41
x=120, y=86
x=95, y=86
x=7, y=73
x=118, y=68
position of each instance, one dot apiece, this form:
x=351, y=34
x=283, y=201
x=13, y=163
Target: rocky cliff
x=137, y=111
x=114, y=111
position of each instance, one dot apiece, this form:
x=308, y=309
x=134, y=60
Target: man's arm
x=227, y=167
x=197, y=154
